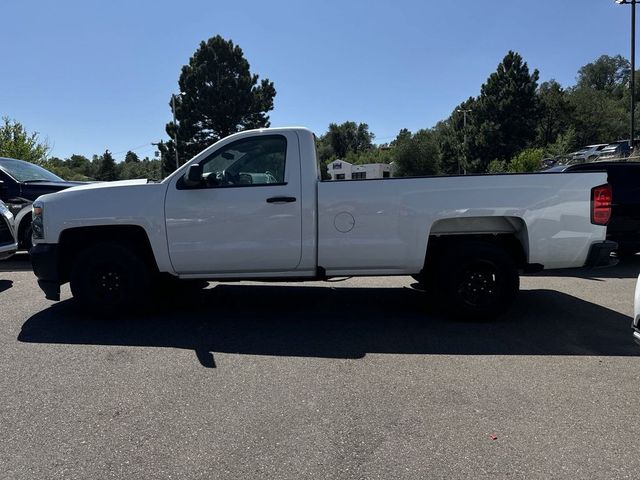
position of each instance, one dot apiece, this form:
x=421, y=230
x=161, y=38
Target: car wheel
x=478, y=281
x=24, y=234
x=109, y=277
x=27, y=241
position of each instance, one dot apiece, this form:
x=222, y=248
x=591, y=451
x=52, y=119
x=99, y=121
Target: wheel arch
x=74, y=240
x=22, y=222
x=507, y=231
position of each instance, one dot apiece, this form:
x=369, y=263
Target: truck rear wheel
x=477, y=280
x=109, y=277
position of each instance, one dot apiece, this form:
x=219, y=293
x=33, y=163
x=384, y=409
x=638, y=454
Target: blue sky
x=90, y=75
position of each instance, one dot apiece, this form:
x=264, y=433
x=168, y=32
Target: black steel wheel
x=109, y=277
x=478, y=280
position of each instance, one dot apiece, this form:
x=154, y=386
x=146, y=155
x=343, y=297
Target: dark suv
x=20, y=184
x=624, y=178
x=619, y=149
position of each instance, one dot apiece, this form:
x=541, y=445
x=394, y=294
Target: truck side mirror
x=193, y=175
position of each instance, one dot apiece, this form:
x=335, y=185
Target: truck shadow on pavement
x=627, y=268
x=20, y=262
x=5, y=285
x=309, y=321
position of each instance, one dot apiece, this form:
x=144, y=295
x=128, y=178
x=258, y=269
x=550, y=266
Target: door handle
x=281, y=199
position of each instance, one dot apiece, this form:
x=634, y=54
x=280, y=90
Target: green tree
x=497, y=166
x=416, y=155
x=220, y=97
x=606, y=73
x=107, y=170
x=403, y=134
x=565, y=142
x=16, y=142
x=349, y=137
x=81, y=165
x=506, y=111
x=599, y=116
x=131, y=157
x=381, y=154
x=144, y=168
x=556, y=112
x=600, y=100
x=528, y=160
x=167, y=158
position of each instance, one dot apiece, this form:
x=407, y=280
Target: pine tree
x=220, y=96
x=131, y=157
x=107, y=170
x=507, y=110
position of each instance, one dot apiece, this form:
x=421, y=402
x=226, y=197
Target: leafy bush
x=527, y=160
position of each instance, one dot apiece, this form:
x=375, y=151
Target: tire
x=477, y=281
x=109, y=277
x=25, y=235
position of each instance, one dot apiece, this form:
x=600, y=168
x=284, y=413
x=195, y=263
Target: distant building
x=341, y=170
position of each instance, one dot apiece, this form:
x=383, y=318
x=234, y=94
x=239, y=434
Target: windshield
x=27, y=172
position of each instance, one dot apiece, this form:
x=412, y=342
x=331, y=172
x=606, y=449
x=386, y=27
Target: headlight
x=37, y=224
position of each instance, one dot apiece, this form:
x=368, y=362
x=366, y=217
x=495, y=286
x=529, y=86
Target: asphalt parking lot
x=354, y=379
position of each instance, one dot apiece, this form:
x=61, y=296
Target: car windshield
x=27, y=172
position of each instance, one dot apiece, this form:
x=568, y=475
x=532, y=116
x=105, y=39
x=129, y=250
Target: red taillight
x=601, y=204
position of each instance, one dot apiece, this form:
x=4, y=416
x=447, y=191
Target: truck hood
x=101, y=185
x=94, y=190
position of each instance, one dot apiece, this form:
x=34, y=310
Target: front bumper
x=600, y=254
x=44, y=259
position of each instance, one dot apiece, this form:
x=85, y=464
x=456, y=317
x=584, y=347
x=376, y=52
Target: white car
x=253, y=207
x=636, y=314
x=587, y=154
x=8, y=243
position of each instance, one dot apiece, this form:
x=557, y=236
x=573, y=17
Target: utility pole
x=632, y=137
x=632, y=81
x=464, y=132
x=175, y=125
x=160, y=162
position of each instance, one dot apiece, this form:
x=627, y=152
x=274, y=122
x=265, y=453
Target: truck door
x=245, y=216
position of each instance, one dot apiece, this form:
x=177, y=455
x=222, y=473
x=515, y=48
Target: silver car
x=8, y=243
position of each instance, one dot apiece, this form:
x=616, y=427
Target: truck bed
x=381, y=226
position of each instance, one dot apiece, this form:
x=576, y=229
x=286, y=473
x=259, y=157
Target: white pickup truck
x=253, y=207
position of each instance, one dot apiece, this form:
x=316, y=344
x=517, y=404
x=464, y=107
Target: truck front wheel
x=109, y=277
x=478, y=280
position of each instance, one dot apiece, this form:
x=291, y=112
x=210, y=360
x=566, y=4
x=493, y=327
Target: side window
x=250, y=161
